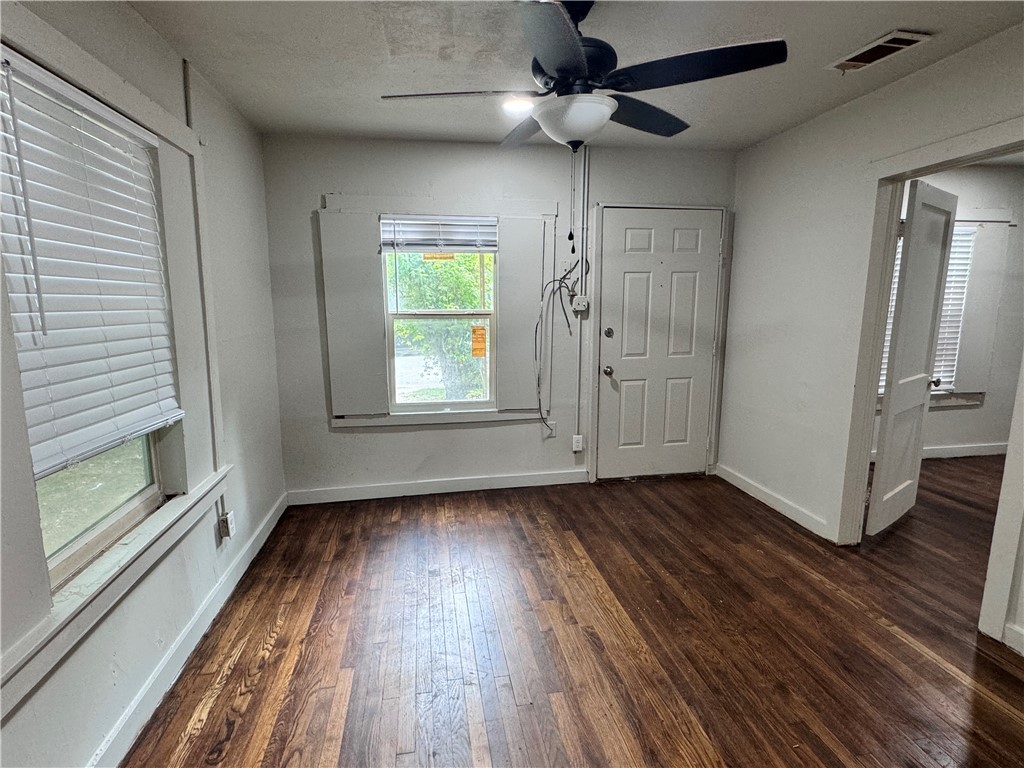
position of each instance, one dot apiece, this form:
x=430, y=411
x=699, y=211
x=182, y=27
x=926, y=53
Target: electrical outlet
x=580, y=304
x=577, y=443
x=227, y=525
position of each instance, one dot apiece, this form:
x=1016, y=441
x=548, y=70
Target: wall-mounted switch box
x=577, y=443
x=227, y=525
x=580, y=304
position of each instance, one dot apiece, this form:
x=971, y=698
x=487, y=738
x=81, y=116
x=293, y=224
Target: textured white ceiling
x=321, y=67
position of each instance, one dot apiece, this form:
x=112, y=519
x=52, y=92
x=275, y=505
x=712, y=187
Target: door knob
x=609, y=332
x=608, y=370
x=936, y=382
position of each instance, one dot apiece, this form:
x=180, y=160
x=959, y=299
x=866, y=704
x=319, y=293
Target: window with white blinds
x=439, y=233
x=953, y=301
x=84, y=268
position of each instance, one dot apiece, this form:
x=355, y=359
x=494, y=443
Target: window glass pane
x=442, y=360
x=441, y=281
x=75, y=499
x=389, y=280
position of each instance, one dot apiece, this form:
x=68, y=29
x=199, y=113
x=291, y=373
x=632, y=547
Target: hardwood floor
x=662, y=622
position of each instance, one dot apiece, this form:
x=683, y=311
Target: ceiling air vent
x=882, y=48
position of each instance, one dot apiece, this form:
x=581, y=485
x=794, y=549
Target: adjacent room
x=512, y=383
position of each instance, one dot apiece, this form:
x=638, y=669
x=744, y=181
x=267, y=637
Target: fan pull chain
x=572, y=201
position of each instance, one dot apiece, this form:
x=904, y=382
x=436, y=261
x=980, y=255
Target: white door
x=659, y=287
x=931, y=214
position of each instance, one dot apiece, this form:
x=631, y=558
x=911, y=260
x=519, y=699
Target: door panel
x=682, y=319
x=931, y=214
x=659, y=278
x=636, y=313
x=677, y=411
x=632, y=413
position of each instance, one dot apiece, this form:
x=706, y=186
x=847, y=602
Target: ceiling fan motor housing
x=601, y=59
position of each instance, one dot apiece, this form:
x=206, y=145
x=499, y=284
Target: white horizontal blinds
x=102, y=369
x=460, y=234
x=889, y=316
x=951, y=319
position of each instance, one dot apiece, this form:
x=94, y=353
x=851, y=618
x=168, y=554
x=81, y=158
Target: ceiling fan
x=571, y=67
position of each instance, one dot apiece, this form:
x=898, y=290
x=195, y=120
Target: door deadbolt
x=609, y=332
x=608, y=370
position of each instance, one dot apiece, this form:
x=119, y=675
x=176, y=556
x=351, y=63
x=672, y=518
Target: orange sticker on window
x=479, y=340
x=439, y=257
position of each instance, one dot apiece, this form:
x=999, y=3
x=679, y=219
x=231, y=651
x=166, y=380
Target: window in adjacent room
x=440, y=289
x=84, y=270
x=953, y=300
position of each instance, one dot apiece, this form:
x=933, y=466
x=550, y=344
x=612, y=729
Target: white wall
x=804, y=213
x=324, y=464
x=233, y=166
x=96, y=696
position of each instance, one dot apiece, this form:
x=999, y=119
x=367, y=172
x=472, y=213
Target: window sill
x=948, y=400
x=83, y=602
x=433, y=417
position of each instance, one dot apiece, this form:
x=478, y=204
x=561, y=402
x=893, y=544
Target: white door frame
x=721, y=309
x=893, y=173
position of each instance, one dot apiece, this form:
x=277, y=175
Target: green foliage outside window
x=420, y=282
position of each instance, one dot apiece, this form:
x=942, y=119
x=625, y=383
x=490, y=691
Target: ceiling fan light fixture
x=517, y=106
x=574, y=119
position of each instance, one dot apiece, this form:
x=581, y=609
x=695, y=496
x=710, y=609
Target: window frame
x=490, y=405
x=95, y=540
x=80, y=552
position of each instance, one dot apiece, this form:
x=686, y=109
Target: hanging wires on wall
x=563, y=287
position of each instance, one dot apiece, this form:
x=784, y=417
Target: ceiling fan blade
x=646, y=117
x=520, y=133
x=553, y=39
x=448, y=94
x=696, y=66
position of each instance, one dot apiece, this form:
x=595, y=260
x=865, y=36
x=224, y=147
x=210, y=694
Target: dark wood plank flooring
x=662, y=622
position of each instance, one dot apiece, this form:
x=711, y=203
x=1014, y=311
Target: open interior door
x=931, y=214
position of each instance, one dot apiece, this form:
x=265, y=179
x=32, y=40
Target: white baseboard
x=443, y=485
x=1013, y=636
x=797, y=514
x=121, y=737
x=956, y=451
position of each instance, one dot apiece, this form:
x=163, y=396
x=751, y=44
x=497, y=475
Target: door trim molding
x=891, y=172
x=595, y=246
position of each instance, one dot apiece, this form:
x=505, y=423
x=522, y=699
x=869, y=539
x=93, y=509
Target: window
x=373, y=318
x=84, y=271
x=440, y=280
x=951, y=319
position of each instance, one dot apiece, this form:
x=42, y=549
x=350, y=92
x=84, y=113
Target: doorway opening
x=966, y=377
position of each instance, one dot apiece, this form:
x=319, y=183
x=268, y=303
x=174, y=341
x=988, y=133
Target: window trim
x=198, y=483
x=96, y=540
